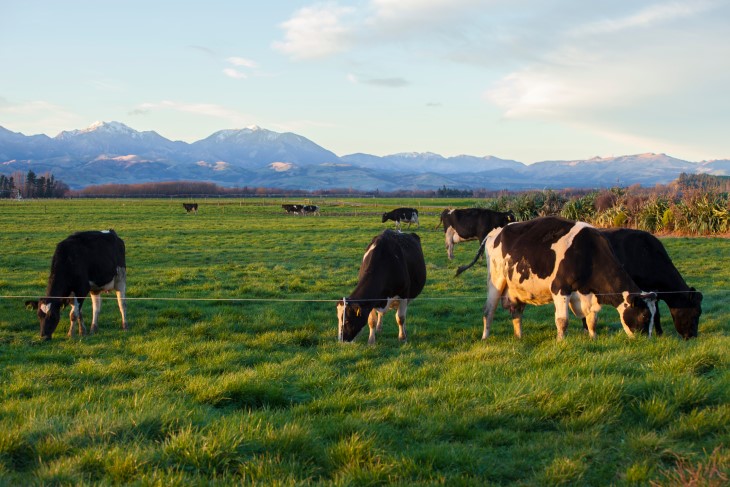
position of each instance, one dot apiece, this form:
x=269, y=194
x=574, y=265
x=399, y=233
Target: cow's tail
x=441, y=221
x=480, y=252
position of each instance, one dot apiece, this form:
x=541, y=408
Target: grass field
x=231, y=372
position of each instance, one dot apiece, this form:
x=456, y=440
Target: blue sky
x=527, y=80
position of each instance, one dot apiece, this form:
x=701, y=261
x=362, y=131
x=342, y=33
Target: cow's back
x=395, y=259
x=93, y=256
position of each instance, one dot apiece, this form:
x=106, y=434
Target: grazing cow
x=85, y=262
x=310, y=210
x=392, y=274
x=551, y=259
x=647, y=262
x=292, y=209
x=465, y=224
x=409, y=215
x=191, y=207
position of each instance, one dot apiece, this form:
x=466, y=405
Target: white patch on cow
x=45, y=307
x=533, y=290
x=390, y=304
x=621, y=308
x=105, y=231
x=370, y=249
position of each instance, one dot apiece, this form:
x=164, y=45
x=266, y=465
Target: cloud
x=394, y=82
x=27, y=116
x=203, y=109
x=315, y=32
x=242, y=62
x=644, y=18
x=235, y=74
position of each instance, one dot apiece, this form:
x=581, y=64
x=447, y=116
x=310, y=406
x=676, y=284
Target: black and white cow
x=461, y=225
x=310, y=210
x=571, y=264
x=292, y=209
x=399, y=215
x=647, y=262
x=85, y=262
x=392, y=274
x=191, y=207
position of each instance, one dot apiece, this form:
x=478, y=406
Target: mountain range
x=111, y=152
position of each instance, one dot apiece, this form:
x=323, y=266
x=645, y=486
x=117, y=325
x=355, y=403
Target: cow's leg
x=494, y=294
x=516, y=310
x=76, y=317
x=449, y=238
x=561, y=314
x=121, y=288
x=657, y=321
x=95, y=309
x=400, y=318
x=372, y=322
x=590, y=321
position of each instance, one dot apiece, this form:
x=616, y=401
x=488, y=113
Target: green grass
x=258, y=391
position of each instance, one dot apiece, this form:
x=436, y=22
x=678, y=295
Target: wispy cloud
x=241, y=69
x=393, y=82
x=644, y=18
x=315, y=32
x=232, y=117
x=37, y=113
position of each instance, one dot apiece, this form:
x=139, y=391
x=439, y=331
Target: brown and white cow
x=571, y=264
x=647, y=262
x=402, y=215
x=461, y=225
x=392, y=274
x=85, y=262
x=191, y=207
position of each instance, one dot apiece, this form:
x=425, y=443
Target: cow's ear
x=31, y=304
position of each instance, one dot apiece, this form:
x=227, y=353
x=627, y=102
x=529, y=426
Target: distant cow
x=392, y=274
x=647, y=262
x=310, y=210
x=191, y=207
x=571, y=264
x=292, y=209
x=85, y=262
x=399, y=215
x=465, y=224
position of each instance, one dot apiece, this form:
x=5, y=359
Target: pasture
x=231, y=372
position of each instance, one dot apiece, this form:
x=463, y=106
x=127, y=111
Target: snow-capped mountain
x=112, y=152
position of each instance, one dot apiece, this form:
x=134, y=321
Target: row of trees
x=30, y=185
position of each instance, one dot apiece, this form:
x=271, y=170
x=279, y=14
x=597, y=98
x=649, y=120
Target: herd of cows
x=575, y=266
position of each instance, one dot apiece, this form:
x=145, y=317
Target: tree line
x=31, y=185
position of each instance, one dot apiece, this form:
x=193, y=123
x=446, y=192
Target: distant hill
x=112, y=152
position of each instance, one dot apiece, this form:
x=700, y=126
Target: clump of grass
x=711, y=473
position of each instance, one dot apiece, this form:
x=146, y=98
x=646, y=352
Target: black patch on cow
x=519, y=239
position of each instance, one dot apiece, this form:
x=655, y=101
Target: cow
x=409, y=215
x=571, y=264
x=191, y=207
x=392, y=274
x=647, y=262
x=83, y=263
x=310, y=210
x=292, y=209
x=461, y=225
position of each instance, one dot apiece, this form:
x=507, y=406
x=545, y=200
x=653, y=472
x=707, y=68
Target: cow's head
x=637, y=312
x=687, y=319
x=49, y=314
x=351, y=318
x=385, y=217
